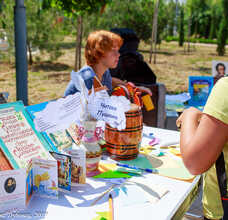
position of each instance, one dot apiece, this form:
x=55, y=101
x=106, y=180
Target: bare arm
x=116, y=82
x=202, y=140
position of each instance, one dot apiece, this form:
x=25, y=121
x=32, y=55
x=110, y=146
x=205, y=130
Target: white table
x=77, y=204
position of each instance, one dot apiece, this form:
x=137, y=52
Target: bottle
x=89, y=142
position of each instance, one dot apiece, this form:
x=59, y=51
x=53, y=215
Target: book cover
x=12, y=190
x=73, y=131
x=199, y=89
x=45, y=178
x=64, y=170
x=58, y=140
x=19, y=139
x=78, y=165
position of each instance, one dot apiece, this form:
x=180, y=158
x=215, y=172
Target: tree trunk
x=77, y=64
x=189, y=32
x=223, y=30
x=181, y=27
x=154, y=33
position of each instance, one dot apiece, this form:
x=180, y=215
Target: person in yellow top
x=204, y=144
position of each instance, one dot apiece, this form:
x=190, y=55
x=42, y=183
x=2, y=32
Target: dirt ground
x=48, y=80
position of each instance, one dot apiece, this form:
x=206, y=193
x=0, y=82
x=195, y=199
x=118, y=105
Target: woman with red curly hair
x=101, y=53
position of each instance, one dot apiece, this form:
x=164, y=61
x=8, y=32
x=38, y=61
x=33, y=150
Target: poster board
x=219, y=68
x=199, y=89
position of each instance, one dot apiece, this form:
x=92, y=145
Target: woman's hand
x=143, y=89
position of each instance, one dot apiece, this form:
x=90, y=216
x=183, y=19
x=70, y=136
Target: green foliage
x=171, y=13
x=193, y=40
x=181, y=27
x=205, y=16
x=134, y=14
x=44, y=28
x=7, y=24
x=222, y=36
x=76, y=7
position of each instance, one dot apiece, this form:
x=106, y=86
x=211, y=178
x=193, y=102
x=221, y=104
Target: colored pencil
x=111, y=211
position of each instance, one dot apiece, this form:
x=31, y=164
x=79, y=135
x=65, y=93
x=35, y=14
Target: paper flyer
x=59, y=114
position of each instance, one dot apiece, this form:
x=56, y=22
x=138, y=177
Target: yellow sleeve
x=217, y=103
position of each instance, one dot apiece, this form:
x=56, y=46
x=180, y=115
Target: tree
x=76, y=9
x=171, y=12
x=43, y=30
x=6, y=20
x=200, y=13
x=223, y=30
x=133, y=14
x=181, y=27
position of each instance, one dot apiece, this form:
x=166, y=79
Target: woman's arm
x=202, y=139
x=116, y=82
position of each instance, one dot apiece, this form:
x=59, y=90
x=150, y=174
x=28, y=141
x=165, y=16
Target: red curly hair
x=99, y=43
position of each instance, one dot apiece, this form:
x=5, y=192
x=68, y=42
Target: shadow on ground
x=203, y=70
x=158, y=52
x=49, y=67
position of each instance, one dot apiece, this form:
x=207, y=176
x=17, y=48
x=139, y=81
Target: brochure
x=64, y=170
x=12, y=190
x=45, y=177
x=78, y=165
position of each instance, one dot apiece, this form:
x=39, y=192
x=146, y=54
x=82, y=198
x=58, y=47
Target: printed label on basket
x=109, y=109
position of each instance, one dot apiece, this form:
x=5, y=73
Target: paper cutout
x=112, y=174
x=101, y=216
x=141, y=162
x=170, y=167
x=154, y=192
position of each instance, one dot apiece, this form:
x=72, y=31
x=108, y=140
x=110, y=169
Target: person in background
x=101, y=53
x=204, y=148
x=221, y=71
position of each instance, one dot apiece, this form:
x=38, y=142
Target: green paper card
x=112, y=174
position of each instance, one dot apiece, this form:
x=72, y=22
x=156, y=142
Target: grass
x=48, y=80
